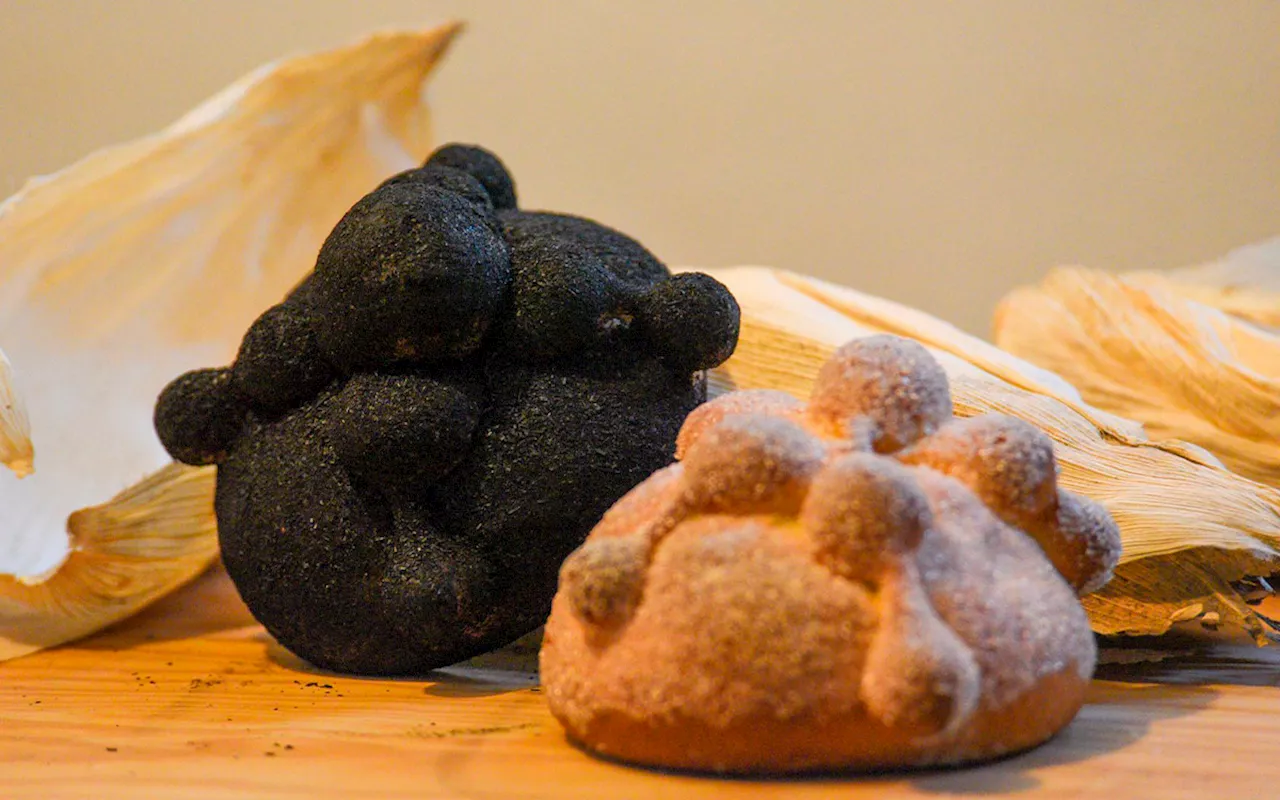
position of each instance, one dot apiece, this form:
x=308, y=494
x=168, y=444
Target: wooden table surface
x=193, y=700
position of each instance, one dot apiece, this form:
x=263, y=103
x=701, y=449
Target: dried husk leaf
x=1191, y=528
x=15, y=430
x=1244, y=283
x=148, y=259
x=1140, y=348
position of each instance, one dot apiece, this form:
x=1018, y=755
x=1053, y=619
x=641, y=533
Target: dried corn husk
x=1244, y=283
x=147, y=259
x=1137, y=346
x=1191, y=528
x=15, y=430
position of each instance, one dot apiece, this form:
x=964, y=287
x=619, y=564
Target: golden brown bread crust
x=833, y=586
x=852, y=742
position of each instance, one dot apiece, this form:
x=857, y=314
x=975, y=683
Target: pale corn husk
x=1244, y=283
x=147, y=259
x=15, y=430
x=1191, y=528
x=1136, y=346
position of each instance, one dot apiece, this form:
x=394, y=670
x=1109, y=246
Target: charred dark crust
x=411, y=443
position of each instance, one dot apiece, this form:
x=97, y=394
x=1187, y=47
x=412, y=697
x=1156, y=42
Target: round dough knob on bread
x=891, y=381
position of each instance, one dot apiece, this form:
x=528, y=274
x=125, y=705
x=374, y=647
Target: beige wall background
x=932, y=151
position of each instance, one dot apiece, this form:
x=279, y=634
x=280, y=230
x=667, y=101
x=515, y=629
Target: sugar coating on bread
x=891, y=383
x=866, y=515
x=751, y=464
x=858, y=582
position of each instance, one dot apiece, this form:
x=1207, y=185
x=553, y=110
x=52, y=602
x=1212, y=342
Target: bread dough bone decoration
x=862, y=582
x=409, y=445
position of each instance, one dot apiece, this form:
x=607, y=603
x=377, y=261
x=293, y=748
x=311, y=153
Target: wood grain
x=193, y=700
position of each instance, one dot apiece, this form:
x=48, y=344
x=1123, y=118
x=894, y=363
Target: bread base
x=852, y=743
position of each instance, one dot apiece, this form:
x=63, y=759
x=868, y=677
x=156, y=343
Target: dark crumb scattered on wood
x=477, y=731
x=199, y=683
